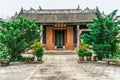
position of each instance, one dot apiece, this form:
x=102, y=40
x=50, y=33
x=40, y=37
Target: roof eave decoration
x=59, y=15
x=78, y=7
x=97, y=9
x=21, y=11
x=31, y=9
x=40, y=10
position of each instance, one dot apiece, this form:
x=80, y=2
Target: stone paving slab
x=60, y=67
x=17, y=71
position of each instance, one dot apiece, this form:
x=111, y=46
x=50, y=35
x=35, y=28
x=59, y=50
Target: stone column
x=78, y=36
x=41, y=34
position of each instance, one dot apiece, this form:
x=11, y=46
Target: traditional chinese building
x=61, y=27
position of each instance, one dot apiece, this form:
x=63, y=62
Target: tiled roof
x=59, y=15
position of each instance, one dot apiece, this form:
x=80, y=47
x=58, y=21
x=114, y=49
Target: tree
x=3, y=52
x=103, y=32
x=18, y=35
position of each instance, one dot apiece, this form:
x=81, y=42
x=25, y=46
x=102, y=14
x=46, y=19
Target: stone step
x=60, y=52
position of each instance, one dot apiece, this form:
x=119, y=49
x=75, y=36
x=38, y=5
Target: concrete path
x=60, y=67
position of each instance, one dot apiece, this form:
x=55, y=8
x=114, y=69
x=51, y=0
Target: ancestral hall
x=61, y=27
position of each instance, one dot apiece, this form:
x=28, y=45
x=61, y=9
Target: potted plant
x=81, y=54
x=40, y=53
x=38, y=50
x=32, y=58
x=88, y=56
x=94, y=58
x=25, y=60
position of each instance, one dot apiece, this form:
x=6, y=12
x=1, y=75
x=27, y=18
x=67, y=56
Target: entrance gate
x=59, y=38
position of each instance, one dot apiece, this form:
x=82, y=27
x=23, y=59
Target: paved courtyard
x=60, y=67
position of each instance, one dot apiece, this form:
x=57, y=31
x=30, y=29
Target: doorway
x=59, y=38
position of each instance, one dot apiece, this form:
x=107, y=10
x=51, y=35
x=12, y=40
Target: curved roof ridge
x=40, y=10
x=59, y=15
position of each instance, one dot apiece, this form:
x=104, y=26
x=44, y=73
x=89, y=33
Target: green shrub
x=82, y=49
x=81, y=52
x=103, y=34
x=26, y=58
x=88, y=54
x=40, y=52
x=115, y=56
x=18, y=35
x=3, y=52
x=38, y=48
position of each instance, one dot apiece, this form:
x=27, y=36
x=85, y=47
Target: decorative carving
x=31, y=9
x=40, y=10
x=87, y=10
x=60, y=25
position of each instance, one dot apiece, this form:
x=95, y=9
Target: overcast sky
x=8, y=7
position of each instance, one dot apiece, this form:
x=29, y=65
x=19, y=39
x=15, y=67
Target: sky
x=9, y=7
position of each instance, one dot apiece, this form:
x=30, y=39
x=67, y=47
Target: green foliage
x=36, y=45
x=81, y=52
x=37, y=48
x=40, y=52
x=82, y=49
x=115, y=56
x=103, y=34
x=88, y=54
x=117, y=48
x=94, y=56
x=26, y=58
x=3, y=52
x=84, y=46
x=18, y=35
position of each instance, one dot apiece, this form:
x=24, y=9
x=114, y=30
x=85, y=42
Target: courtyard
x=59, y=40
x=60, y=67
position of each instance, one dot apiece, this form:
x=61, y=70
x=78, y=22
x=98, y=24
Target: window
x=75, y=34
x=44, y=34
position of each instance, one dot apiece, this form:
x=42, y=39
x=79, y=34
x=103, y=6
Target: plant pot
x=88, y=58
x=94, y=59
x=81, y=58
x=26, y=61
x=39, y=58
x=32, y=59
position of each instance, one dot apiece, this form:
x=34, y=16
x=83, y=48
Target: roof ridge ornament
x=103, y=12
x=97, y=9
x=31, y=9
x=21, y=11
x=40, y=8
x=78, y=7
x=86, y=10
x=16, y=13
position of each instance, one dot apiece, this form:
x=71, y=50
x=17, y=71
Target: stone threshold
x=61, y=52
